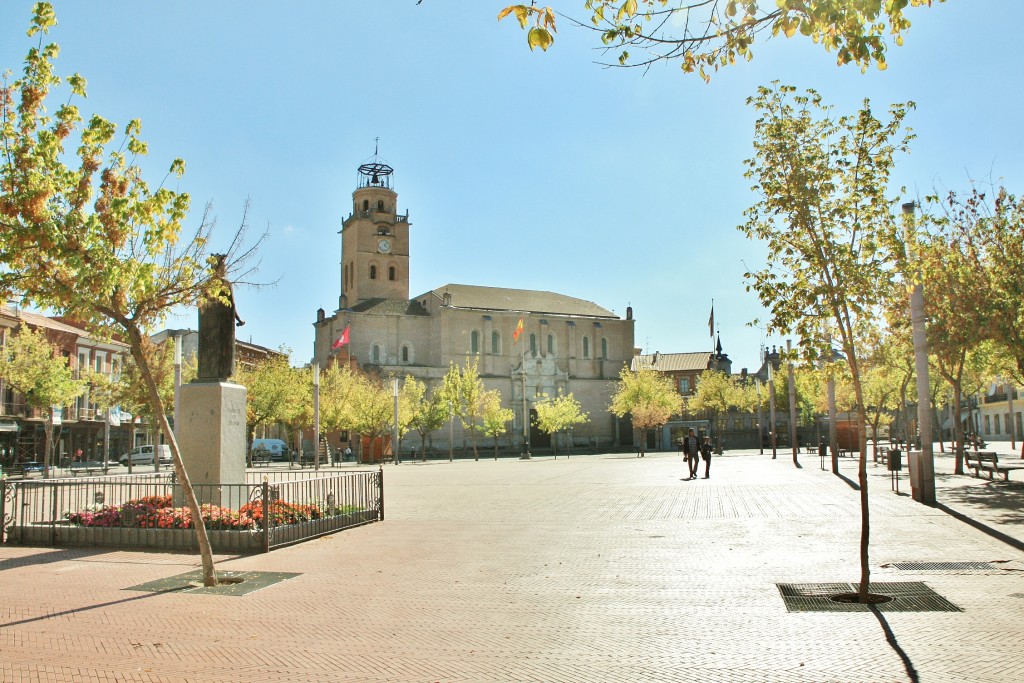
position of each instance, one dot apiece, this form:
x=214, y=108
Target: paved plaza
x=604, y=568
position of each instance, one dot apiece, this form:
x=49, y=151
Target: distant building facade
x=83, y=425
x=566, y=345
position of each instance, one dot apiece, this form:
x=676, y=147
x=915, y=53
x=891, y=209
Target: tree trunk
x=50, y=446
x=792, y=411
x=958, y=430
x=202, y=539
x=833, y=428
x=865, y=519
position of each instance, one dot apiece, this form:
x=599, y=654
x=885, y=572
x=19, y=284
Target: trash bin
x=895, y=460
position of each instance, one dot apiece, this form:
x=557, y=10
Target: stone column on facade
x=485, y=346
x=571, y=355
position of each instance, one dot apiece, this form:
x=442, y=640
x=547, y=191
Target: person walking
x=705, y=452
x=691, y=449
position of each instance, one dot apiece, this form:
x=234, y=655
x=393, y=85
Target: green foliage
x=429, y=411
x=32, y=366
x=273, y=388
x=371, y=406
x=559, y=413
x=494, y=418
x=647, y=396
x=706, y=36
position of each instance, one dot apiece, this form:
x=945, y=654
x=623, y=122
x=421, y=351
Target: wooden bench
x=988, y=461
x=87, y=466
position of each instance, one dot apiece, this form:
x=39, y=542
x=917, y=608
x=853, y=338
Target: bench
x=87, y=466
x=988, y=461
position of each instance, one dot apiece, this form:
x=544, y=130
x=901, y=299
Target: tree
x=128, y=389
x=559, y=414
x=429, y=413
x=954, y=303
x=32, y=366
x=648, y=397
x=450, y=394
x=270, y=385
x=706, y=35
x=83, y=234
x=717, y=393
x=495, y=419
x=825, y=219
x=472, y=400
x=990, y=228
x=371, y=407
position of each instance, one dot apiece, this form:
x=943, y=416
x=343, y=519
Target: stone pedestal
x=211, y=435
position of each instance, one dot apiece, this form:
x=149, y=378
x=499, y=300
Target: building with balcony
x=84, y=425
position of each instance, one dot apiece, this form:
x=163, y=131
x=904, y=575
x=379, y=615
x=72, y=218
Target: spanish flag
x=518, y=331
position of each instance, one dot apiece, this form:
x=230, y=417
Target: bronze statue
x=217, y=322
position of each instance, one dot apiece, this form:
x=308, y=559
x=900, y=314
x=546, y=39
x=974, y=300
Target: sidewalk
x=590, y=568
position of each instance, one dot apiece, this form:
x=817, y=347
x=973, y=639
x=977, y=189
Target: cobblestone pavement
x=590, y=568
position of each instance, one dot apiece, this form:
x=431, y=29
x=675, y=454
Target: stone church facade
x=567, y=345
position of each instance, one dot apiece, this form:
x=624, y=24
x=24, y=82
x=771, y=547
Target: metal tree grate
x=907, y=596
x=236, y=584
x=944, y=566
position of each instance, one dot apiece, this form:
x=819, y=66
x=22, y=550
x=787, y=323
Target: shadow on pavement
x=849, y=482
x=48, y=556
x=890, y=638
x=76, y=610
x=981, y=526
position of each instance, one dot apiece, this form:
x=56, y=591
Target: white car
x=143, y=455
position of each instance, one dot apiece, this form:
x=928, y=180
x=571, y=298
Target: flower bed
x=155, y=512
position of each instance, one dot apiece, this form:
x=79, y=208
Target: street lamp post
x=925, y=466
x=526, y=416
x=394, y=431
x=792, y=404
x=316, y=416
x=771, y=404
x=760, y=416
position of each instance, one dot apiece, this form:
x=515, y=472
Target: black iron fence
x=147, y=511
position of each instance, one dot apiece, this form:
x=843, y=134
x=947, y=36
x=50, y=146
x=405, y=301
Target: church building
x=566, y=345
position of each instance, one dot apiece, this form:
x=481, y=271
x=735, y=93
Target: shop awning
x=8, y=426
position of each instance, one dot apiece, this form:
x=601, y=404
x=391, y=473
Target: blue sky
x=518, y=169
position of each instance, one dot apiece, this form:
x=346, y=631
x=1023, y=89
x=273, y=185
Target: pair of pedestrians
x=693, y=450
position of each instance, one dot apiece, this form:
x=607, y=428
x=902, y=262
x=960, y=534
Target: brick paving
x=590, y=568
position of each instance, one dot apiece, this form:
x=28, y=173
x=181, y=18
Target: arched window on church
x=380, y=204
x=391, y=273
x=551, y=344
x=604, y=348
x=375, y=354
x=373, y=272
x=405, y=353
x=474, y=342
x=495, y=342
x=586, y=347
x=366, y=205
x=533, y=344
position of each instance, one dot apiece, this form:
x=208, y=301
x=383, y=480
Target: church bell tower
x=374, y=240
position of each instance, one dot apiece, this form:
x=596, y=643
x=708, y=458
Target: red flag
x=518, y=331
x=711, y=322
x=342, y=340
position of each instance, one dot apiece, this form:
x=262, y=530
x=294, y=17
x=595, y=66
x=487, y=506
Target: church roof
x=389, y=307
x=520, y=300
x=673, y=362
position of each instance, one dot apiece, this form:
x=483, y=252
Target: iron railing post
x=380, y=494
x=266, y=516
x=3, y=508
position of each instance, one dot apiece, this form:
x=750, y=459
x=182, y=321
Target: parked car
x=274, y=450
x=143, y=455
